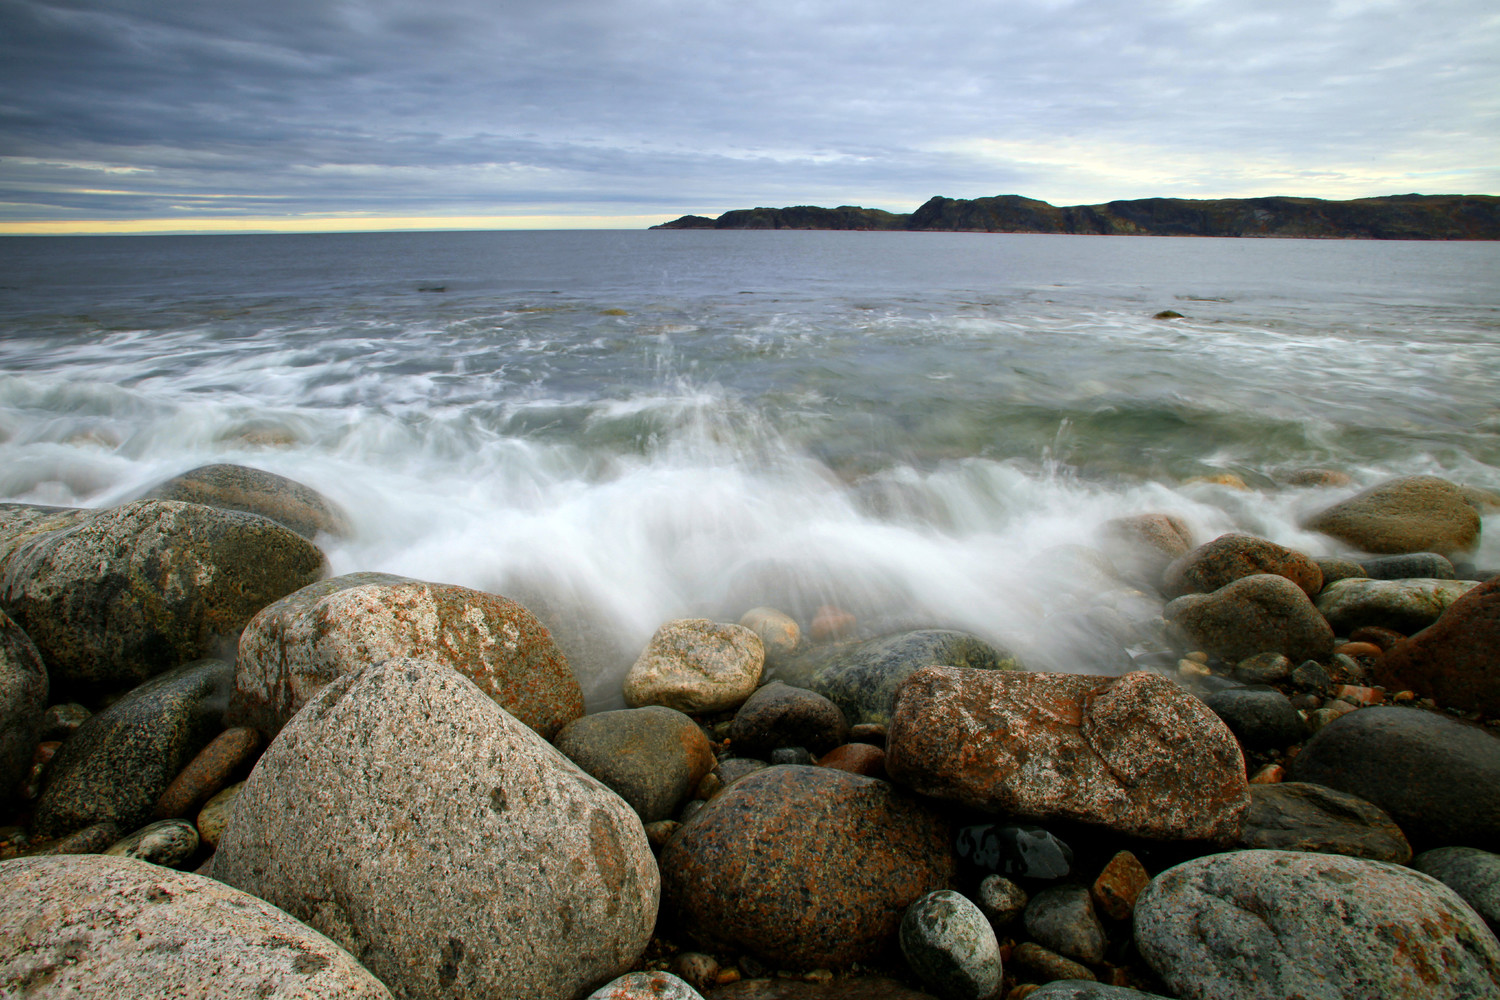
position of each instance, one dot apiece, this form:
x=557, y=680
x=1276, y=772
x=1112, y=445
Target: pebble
x=791, y=755
x=698, y=970
x=1062, y=919
x=93, y=839
x=831, y=623
x=1001, y=900
x=951, y=947
x=1115, y=889
x=169, y=843
x=1263, y=668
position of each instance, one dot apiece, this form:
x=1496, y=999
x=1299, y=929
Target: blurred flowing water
x=620, y=428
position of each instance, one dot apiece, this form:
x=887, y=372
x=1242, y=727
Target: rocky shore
x=225, y=774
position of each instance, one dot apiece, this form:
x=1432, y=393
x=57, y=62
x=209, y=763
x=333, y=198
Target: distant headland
x=1397, y=217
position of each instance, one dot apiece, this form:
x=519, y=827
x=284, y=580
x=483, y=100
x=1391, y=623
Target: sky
x=222, y=115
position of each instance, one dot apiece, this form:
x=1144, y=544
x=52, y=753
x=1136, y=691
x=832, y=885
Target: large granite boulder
x=1230, y=557
x=139, y=589
x=1410, y=514
x=804, y=866
x=120, y=761
x=1401, y=605
x=1267, y=925
x=1254, y=614
x=306, y=639
x=1299, y=816
x=236, y=487
x=23, y=700
x=1135, y=754
x=652, y=757
x=1438, y=778
x=1456, y=659
x=91, y=926
x=695, y=665
x=445, y=844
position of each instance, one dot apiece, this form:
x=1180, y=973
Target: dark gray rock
x=121, y=760
x=93, y=839
x=791, y=755
x=1310, y=675
x=23, y=698
x=169, y=843
x=1261, y=718
x=60, y=722
x=1062, y=919
x=1082, y=989
x=779, y=715
x=1438, y=778
x=1297, y=816
x=1267, y=925
x=951, y=947
x=1263, y=668
x=652, y=757
x=1470, y=872
x=735, y=768
x=1016, y=851
x=1338, y=569
x=1409, y=566
x=236, y=487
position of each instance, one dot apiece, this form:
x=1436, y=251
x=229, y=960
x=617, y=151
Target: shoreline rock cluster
x=226, y=774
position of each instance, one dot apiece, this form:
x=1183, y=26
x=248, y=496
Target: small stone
x=169, y=843
x=652, y=757
x=1046, y=965
x=216, y=813
x=779, y=633
x=1338, y=569
x=646, y=986
x=1019, y=851
x=1310, y=675
x=791, y=755
x=697, y=969
x=872, y=733
x=732, y=769
x=61, y=721
x=1118, y=885
x=1001, y=900
x=1357, y=695
x=695, y=665
x=1062, y=919
x=1192, y=668
x=207, y=773
x=1470, y=872
x=1263, y=668
x=950, y=945
x=1454, y=659
x=856, y=758
x=660, y=832
x=1270, y=774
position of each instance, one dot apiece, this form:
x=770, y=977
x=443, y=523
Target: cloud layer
x=253, y=109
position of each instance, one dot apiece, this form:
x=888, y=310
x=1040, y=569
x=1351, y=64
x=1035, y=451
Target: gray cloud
x=129, y=108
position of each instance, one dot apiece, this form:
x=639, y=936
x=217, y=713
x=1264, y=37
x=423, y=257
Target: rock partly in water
x=1254, y=614
x=23, y=700
x=779, y=715
x=695, y=665
x=651, y=757
x=1401, y=605
x=1410, y=514
x=93, y=926
x=1233, y=556
x=1134, y=754
x=442, y=842
x=1470, y=872
x=295, y=646
x=804, y=866
x=1143, y=545
x=1456, y=660
x=951, y=947
x=1267, y=925
x=779, y=633
x=1299, y=816
x=236, y=487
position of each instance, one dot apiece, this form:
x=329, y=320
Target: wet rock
x=1018, y=851
x=1437, y=778
x=295, y=646
x=951, y=947
x=652, y=757
x=1470, y=872
x=136, y=590
x=779, y=715
x=861, y=678
x=1254, y=614
x=804, y=866
x=236, y=487
x=1001, y=900
x=856, y=758
x=790, y=755
x=646, y=986
x=1260, y=717
x=1454, y=660
x=1263, y=668
x=1231, y=557
x=1411, y=566
x=1074, y=989
x=1143, y=545
x=732, y=769
x=1312, y=676
x=1115, y=889
x=216, y=813
x=169, y=843
x=1298, y=816
x=1062, y=919
x=96, y=926
x=1339, y=569
x=1402, y=605
x=779, y=633
x=1033, y=962
x=1410, y=514
x=1134, y=754
x=1277, y=924
x=207, y=773
x=23, y=698
x=695, y=665
x=120, y=761
x=444, y=843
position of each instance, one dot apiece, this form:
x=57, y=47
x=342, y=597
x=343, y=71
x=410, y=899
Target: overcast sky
x=215, y=113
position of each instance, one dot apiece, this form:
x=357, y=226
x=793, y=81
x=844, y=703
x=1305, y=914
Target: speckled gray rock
x=652, y=757
x=139, y=589
x=443, y=843
x=92, y=926
x=646, y=986
x=255, y=491
x=23, y=700
x=1082, y=989
x=1298, y=816
x=298, y=644
x=779, y=715
x=950, y=945
x=1411, y=566
x=1410, y=514
x=1062, y=918
x=780, y=635
x=1254, y=614
x=96, y=838
x=696, y=665
x=1261, y=718
x=120, y=761
x=1001, y=900
x=1403, y=605
x=1470, y=872
x=169, y=843
x=1266, y=925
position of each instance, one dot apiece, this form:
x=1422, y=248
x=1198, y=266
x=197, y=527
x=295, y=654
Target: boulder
x=235, y=487
x=1410, y=514
x=1411, y=566
x=303, y=641
x=1261, y=717
x=1298, y=816
x=695, y=665
x=1254, y=614
x=1401, y=605
x=1143, y=545
x=1230, y=557
x=1267, y=925
x=136, y=590
x=779, y=715
x=442, y=842
x=804, y=866
x=1062, y=919
x=1437, y=778
x=951, y=947
x=1456, y=659
x=121, y=760
x=1470, y=872
x=651, y=757
x=23, y=700
x=1134, y=754
x=93, y=926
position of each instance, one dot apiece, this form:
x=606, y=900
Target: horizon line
x=267, y=225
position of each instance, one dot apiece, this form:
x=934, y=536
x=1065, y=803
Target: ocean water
x=621, y=428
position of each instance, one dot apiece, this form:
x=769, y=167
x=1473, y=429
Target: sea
x=622, y=428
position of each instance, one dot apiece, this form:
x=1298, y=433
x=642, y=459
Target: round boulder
x=779, y=715
x=1401, y=605
x=952, y=948
x=696, y=665
x=1230, y=557
x=1410, y=514
x=235, y=487
x=652, y=757
x=1254, y=614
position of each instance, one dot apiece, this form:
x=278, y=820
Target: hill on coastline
x=1396, y=217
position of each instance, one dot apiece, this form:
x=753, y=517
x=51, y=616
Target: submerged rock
x=236, y=487
x=1410, y=514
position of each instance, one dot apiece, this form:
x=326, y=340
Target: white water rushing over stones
x=620, y=428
